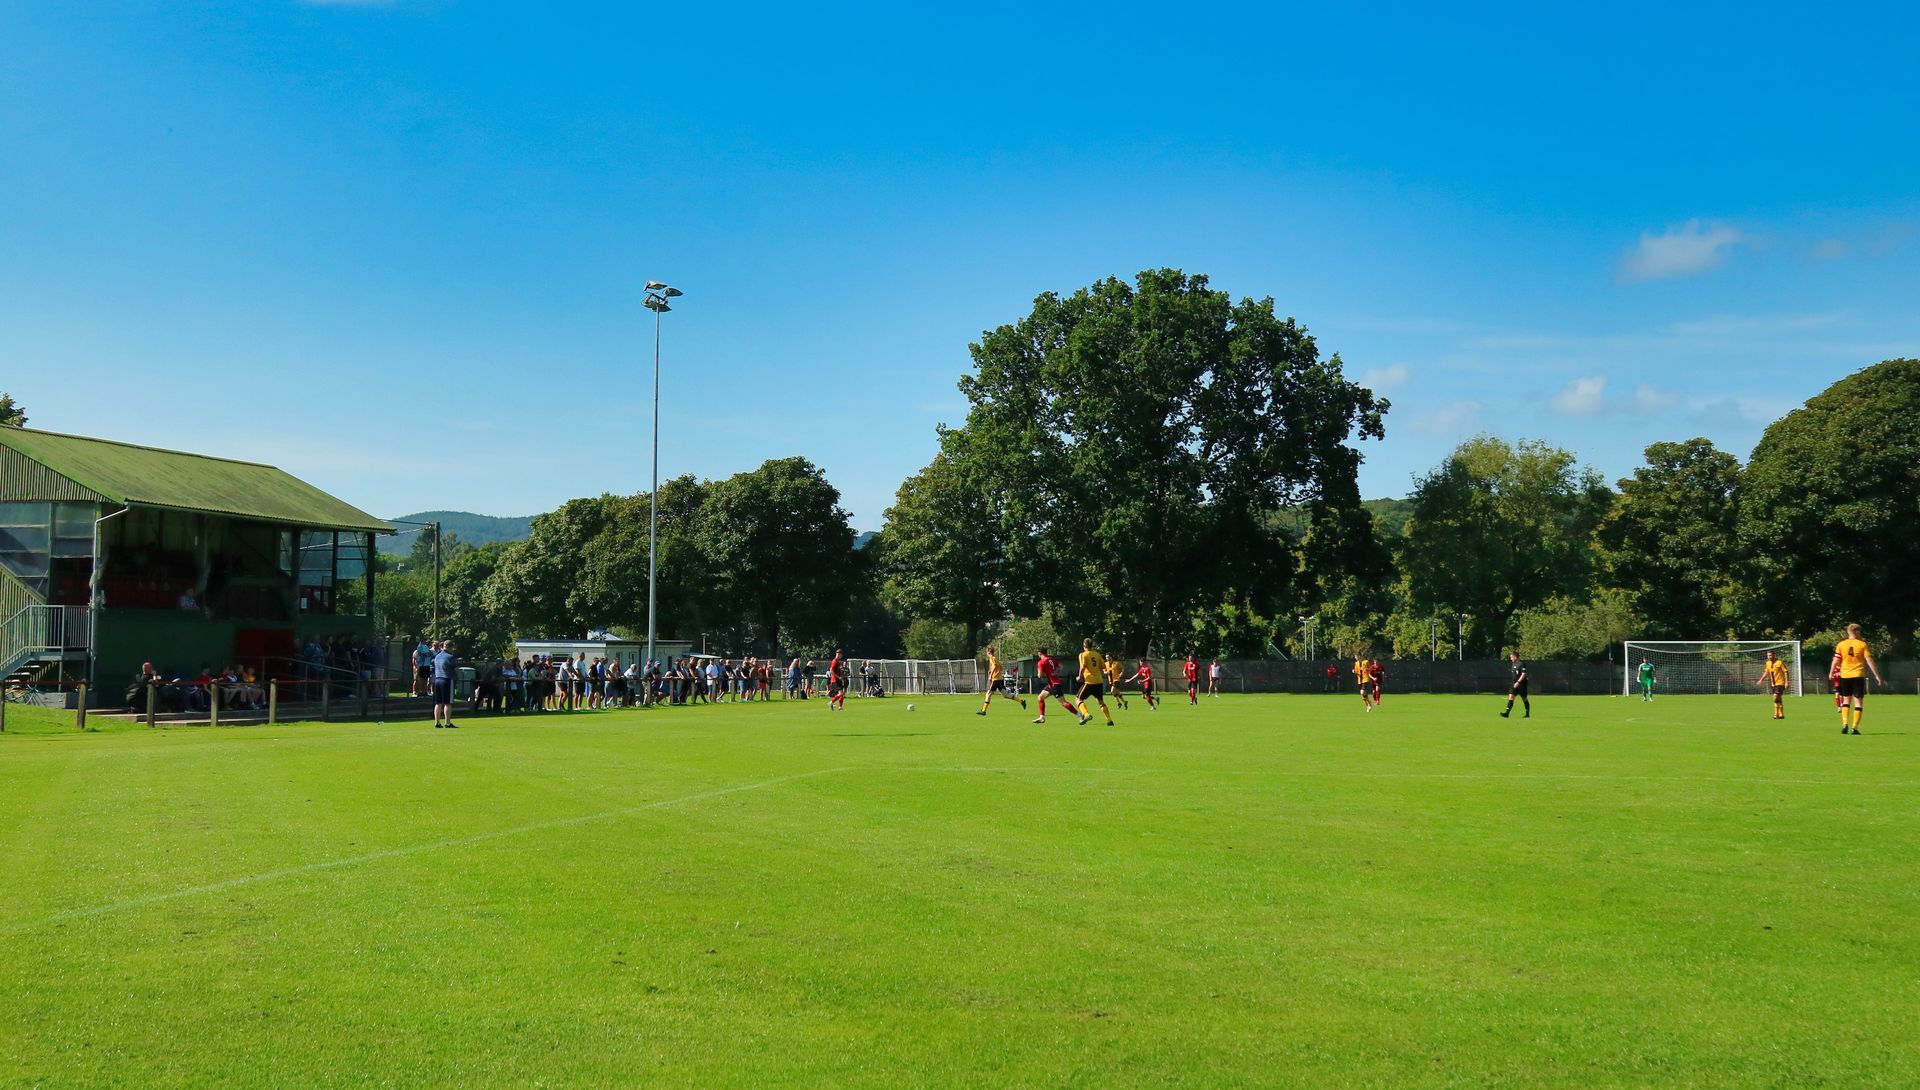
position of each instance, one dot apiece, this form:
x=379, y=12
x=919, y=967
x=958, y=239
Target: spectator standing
x=443, y=666
x=422, y=670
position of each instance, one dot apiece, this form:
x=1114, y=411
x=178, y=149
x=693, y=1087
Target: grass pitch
x=1261, y=891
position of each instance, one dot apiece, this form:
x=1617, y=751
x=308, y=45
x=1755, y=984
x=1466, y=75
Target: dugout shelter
x=112, y=554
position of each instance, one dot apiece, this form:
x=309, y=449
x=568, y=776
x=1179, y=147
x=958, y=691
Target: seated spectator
x=240, y=691
x=201, y=689
x=166, y=698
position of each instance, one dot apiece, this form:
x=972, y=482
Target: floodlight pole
x=1460, y=650
x=656, y=301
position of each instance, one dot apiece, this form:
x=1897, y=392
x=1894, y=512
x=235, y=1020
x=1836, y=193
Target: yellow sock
x=1858, y=714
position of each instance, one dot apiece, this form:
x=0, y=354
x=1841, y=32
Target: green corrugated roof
x=150, y=477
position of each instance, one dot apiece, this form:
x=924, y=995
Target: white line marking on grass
x=1277, y=772
x=394, y=853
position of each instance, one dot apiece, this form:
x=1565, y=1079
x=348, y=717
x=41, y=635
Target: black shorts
x=1519, y=689
x=442, y=691
x=1093, y=692
x=1055, y=688
x=1001, y=686
x=1779, y=691
x=1853, y=687
x=423, y=671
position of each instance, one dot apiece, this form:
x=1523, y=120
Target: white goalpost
x=1712, y=667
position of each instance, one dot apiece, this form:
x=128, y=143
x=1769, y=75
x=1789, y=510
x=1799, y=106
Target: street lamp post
x=657, y=295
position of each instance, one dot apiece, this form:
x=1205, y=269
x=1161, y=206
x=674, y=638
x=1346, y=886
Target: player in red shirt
x=837, y=682
x=1375, y=672
x=1144, y=675
x=1048, y=668
x=1193, y=680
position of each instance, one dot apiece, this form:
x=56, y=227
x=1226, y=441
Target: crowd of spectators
x=547, y=683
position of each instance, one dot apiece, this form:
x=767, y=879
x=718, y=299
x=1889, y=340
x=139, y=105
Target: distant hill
x=1389, y=516
x=860, y=539
x=464, y=525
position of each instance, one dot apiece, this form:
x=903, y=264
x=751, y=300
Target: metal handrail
x=32, y=630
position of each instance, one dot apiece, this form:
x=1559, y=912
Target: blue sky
x=397, y=248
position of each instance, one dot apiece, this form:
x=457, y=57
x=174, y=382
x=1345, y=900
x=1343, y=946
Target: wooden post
x=153, y=700
x=3, y=713
x=213, y=704
x=80, y=706
x=273, y=701
x=326, y=699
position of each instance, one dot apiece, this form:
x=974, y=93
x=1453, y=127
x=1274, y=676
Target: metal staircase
x=35, y=636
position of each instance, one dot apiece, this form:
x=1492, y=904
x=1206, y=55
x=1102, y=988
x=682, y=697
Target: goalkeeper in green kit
x=1646, y=680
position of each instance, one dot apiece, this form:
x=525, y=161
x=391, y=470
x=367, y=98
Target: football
x=909, y=707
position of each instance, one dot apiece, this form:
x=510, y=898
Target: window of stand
x=316, y=561
x=336, y=572
x=25, y=540
x=48, y=546
x=353, y=555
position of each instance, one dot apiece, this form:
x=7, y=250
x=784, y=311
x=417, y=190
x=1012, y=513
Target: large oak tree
x=1830, y=511
x=1126, y=448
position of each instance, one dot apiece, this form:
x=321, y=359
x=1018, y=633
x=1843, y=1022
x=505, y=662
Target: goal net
x=1709, y=666
x=928, y=676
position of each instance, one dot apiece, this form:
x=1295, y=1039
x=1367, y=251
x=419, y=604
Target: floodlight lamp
x=671, y=292
x=656, y=304
x=655, y=285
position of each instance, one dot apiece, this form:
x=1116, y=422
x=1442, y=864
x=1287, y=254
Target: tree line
x=1162, y=467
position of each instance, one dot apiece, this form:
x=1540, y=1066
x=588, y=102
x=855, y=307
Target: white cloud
x=1448, y=421
x=1685, y=250
x=1382, y=380
x=1582, y=396
x=1648, y=400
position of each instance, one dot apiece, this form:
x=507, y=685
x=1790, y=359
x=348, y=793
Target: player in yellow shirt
x=1093, y=679
x=1774, y=675
x=1111, y=670
x=1363, y=678
x=1853, y=661
x=997, y=683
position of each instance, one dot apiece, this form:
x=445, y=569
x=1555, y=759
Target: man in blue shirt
x=443, y=684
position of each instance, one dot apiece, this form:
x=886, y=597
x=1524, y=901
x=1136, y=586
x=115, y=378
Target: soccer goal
x=1708, y=666
x=929, y=676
